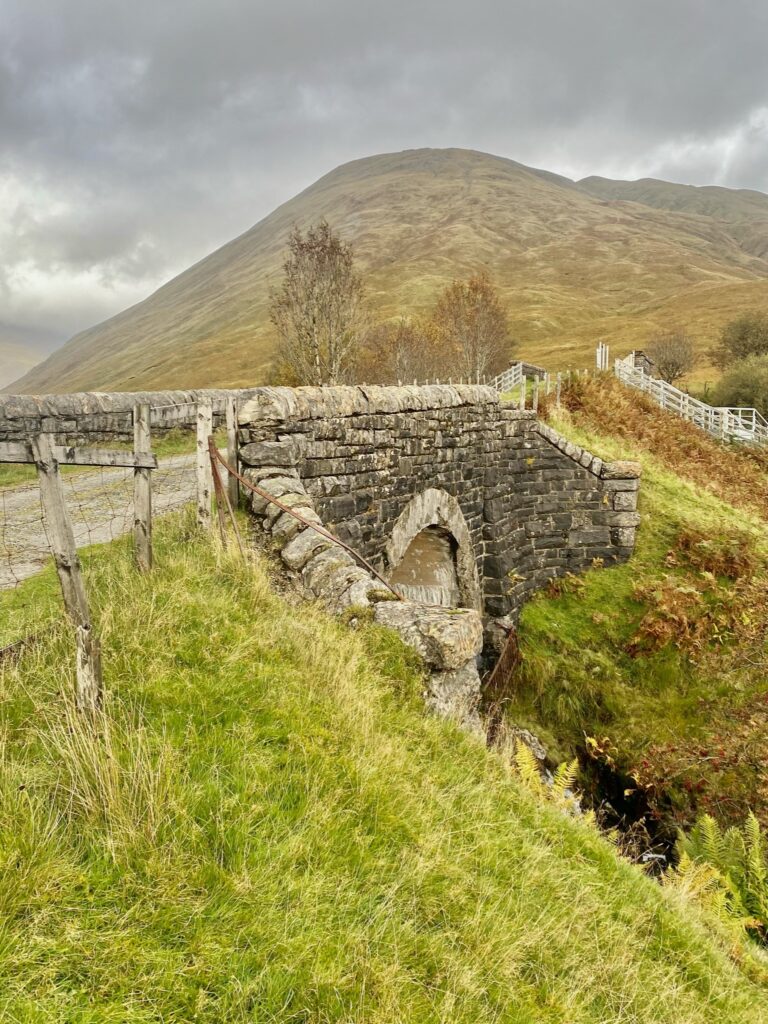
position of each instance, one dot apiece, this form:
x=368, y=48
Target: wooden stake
x=233, y=484
x=142, y=490
x=88, y=670
x=61, y=537
x=204, y=481
x=535, y=396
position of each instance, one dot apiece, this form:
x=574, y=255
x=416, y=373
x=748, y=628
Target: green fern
x=528, y=768
x=737, y=858
x=561, y=790
x=565, y=779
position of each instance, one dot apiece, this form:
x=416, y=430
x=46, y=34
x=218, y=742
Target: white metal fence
x=511, y=378
x=731, y=423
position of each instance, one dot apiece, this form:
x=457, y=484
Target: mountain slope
x=572, y=267
x=266, y=826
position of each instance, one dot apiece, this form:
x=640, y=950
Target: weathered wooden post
x=558, y=386
x=62, y=540
x=535, y=395
x=233, y=484
x=203, y=464
x=142, y=490
x=523, y=388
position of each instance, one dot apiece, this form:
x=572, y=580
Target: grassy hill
x=266, y=826
x=574, y=262
x=662, y=660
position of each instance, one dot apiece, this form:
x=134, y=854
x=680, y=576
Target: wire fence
x=57, y=499
x=100, y=502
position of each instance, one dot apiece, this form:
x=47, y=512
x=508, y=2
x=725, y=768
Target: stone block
x=322, y=565
x=269, y=453
x=446, y=638
x=296, y=501
x=625, y=501
x=596, y=536
x=303, y=546
x=286, y=526
x=620, y=470
x=624, y=538
x=277, y=487
x=455, y=694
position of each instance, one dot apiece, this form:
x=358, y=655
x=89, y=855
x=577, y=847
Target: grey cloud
x=136, y=137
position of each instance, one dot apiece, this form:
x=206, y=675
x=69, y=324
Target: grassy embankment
x=266, y=826
x=662, y=661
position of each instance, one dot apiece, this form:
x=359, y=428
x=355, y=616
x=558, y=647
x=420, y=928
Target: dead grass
x=736, y=474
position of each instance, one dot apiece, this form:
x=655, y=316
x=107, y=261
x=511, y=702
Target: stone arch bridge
x=451, y=493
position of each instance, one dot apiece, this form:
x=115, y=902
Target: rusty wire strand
x=318, y=529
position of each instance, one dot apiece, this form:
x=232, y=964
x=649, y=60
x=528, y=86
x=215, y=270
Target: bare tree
x=469, y=316
x=674, y=354
x=319, y=310
x=403, y=350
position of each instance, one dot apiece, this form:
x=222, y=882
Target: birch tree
x=319, y=311
x=472, y=321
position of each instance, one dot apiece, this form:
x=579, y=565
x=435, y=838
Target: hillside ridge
x=573, y=261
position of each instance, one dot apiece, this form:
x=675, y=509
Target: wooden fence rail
x=47, y=457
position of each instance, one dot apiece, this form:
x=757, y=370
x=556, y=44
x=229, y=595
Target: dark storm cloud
x=136, y=137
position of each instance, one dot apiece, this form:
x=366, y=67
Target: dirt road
x=100, y=503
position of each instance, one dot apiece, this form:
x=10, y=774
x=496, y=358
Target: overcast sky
x=137, y=136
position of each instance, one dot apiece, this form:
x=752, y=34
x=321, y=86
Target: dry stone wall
x=93, y=416
x=527, y=504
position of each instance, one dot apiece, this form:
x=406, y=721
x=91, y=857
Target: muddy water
x=427, y=572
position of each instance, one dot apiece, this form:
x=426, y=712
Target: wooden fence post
x=204, y=480
x=233, y=484
x=142, y=490
x=523, y=387
x=62, y=540
x=535, y=395
x=558, y=385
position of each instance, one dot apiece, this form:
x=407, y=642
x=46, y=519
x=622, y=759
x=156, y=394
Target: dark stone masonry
x=378, y=465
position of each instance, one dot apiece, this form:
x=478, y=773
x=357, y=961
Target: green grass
x=581, y=677
x=266, y=826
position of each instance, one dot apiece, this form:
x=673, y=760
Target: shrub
x=745, y=336
x=674, y=354
x=745, y=383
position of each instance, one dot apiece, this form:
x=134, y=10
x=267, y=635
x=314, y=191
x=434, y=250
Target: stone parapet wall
x=449, y=641
x=532, y=504
x=95, y=416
